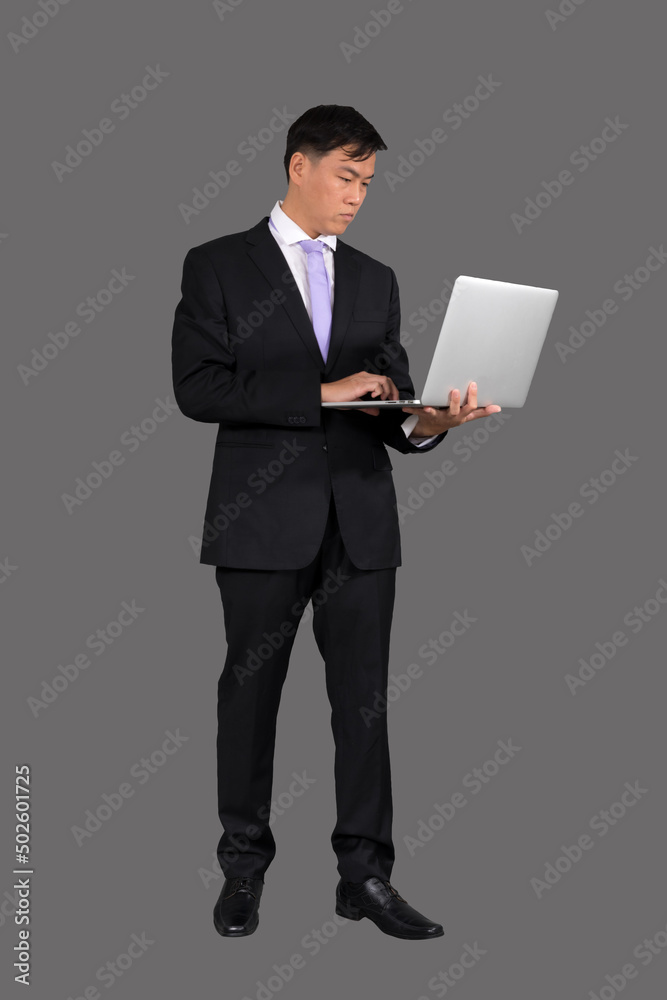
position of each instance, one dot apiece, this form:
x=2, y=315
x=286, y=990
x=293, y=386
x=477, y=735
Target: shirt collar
x=290, y=231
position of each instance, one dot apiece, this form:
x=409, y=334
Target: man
x=272, y=322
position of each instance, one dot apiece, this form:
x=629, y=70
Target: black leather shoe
x=237, y=911
x=377, y=899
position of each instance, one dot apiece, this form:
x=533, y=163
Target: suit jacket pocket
x=381, y=458
x=243, y=438
x=241, y=444
x=370, y=315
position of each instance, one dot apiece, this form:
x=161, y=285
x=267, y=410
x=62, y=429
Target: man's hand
x=435, y=420
x=355, y=386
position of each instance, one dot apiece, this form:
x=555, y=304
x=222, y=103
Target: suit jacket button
x=324, y=447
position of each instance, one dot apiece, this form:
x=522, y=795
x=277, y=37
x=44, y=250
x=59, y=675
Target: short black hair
x=328, y=126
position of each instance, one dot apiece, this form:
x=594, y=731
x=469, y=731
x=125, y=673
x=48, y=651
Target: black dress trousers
x=352, y=615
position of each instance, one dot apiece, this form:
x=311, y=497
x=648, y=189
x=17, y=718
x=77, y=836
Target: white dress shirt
x=287, y=235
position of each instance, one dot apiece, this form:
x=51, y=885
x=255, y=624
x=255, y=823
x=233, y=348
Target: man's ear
x=297, y=165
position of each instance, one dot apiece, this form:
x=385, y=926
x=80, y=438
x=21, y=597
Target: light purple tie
x=320, y=294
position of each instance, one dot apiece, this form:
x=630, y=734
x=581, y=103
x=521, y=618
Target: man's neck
x=293, y=213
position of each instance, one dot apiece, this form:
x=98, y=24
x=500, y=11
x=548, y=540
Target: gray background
x=144, y=871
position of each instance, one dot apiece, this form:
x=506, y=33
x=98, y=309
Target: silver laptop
x=492, y=334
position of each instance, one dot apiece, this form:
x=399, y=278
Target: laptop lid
x=492, y=334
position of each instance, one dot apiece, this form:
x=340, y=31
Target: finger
x=393, y=391
x=454, y=402
x=373, y=410
x=471, y=397
x=482, y=411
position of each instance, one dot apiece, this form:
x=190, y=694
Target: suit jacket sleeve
x=393, y=361
x=207, y=384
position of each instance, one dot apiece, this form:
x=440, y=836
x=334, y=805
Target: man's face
x=331, y=191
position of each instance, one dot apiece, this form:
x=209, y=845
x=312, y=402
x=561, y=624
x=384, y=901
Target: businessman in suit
x=272, y=322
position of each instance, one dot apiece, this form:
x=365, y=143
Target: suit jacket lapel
x=270, y=260
x=346, y=272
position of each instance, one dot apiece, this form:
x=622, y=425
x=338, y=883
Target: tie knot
x=310, y=246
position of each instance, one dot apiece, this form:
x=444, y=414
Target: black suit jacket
x=245, y=356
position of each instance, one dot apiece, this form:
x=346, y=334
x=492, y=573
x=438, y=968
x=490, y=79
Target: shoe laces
x=241, y=882
x=393, y=890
